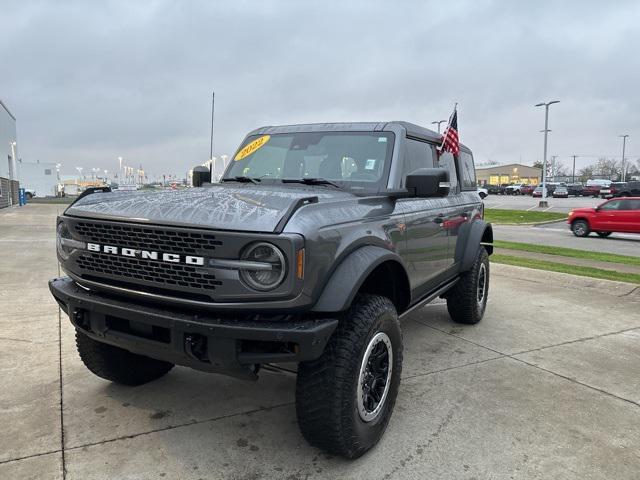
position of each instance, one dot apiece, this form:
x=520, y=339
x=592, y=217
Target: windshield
x=357, y=161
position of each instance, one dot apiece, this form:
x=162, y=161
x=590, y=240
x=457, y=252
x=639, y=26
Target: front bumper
x=202, y=341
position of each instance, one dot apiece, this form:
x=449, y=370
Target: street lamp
x=624, y=144
x=543, y=201
x=438, y=122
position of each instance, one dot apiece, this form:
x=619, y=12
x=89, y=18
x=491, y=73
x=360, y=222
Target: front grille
x=143, y=238
x=158, y=273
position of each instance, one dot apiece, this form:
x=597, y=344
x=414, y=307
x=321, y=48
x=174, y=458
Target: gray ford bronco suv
x=313, y=244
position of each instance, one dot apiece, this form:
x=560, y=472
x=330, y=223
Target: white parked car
x=483, y=192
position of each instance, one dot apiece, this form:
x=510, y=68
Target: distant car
x=483, y=192
x=561, y=192
x=494, y=189
x=631, y=189
x=575, y=189
x=538, y=191
x=29, y=193
x=616, y=215
x=514, y=189
x=613, y=190
x=527, y=189
x=593, y=187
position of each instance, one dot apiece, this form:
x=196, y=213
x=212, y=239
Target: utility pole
x=213, y=103
x=573, y=175
x=438, y=122
x=624, y=142
x=543, y=201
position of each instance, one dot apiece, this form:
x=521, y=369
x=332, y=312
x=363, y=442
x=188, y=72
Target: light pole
x=438, y=122
x=120, y=167
x=573, y=175
x=624, y=144
x=213, y=103
x=543, y=201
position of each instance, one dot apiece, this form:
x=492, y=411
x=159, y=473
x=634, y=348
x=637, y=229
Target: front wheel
x=345, y=398
x=580, y=228
x=467, y=300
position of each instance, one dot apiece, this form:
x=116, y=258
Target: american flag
x=450, y=141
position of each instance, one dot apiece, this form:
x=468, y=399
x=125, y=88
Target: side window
x=635, y=204
x=447, y=161
x=615, y=205
x=467, y=171
x=625, y=205
x=417, y=155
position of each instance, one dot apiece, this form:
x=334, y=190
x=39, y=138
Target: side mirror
x=201, y=174
x=429, y=182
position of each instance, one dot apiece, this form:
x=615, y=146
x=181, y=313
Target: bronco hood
x=253, y=208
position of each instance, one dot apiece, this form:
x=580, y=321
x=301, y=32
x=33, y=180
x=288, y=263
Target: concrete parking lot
x=547, y=386
x=527, y=202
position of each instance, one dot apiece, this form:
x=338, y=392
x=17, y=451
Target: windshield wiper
x=311, y=181
x=241, y=179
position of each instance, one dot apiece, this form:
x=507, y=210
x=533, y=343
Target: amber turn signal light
x=300, y=264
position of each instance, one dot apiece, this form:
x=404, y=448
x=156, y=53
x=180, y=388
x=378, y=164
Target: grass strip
x=569, y=252
x=563, y=268
x=497, y=215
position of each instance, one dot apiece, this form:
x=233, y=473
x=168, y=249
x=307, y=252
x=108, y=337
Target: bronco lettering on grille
x=146, y=254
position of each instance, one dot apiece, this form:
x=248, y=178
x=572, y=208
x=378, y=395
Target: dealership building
x=8, y=156
x=511, y=173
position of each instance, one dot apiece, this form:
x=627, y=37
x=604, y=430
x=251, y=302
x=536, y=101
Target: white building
x=8, y=156
x=39, y=177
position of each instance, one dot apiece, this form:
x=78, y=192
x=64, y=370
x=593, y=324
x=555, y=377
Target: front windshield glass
x=352, y=160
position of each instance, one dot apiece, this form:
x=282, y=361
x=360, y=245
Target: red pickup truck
x=616, y=215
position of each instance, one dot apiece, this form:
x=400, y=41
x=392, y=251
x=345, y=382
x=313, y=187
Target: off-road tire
x=326, y=388
x=119, y=365
x=580, y=228
x=603, y=234
x=462, y=300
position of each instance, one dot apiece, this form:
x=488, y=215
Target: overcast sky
x=89, y=81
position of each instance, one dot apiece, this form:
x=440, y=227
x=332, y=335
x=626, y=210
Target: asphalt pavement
x=527, y=202
x=546, y=386
x=557, y=234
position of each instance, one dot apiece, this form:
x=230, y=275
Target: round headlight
x=62, y=233
x=269, y=270
x=65, y=244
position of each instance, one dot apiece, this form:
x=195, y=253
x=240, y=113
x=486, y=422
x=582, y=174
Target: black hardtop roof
x=413, y=130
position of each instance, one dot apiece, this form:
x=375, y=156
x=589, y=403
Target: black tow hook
x=196, y=347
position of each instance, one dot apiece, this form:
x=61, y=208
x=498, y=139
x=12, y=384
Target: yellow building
x=511, y=173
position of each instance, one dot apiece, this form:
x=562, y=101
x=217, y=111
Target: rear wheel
x=467, y=300
x=117, y=364
x=580, y=228
x=345, y=398
x=603, y=234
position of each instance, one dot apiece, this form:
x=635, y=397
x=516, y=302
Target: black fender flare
x=469, y=241
x=345, y=281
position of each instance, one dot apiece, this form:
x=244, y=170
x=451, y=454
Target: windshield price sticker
x=252, y=147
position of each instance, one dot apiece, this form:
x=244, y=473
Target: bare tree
x=585, y=173
x=607, y=167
